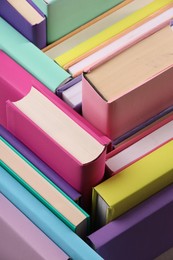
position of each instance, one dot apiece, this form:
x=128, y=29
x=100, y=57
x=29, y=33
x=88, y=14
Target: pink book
x=17, y=85
x=21, y=239
x=130, y=88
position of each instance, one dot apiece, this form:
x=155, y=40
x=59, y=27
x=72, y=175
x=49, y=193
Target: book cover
x=133, y=185
x=64, y=145
x=41, y=165
x=44, y=219
x=43, y=189
x=18, y=84
x=140, y=16
x=64, y=17
x=33, y=29
x=20, y=238
x=31, y=58
x=144, y=232
x=132, y=81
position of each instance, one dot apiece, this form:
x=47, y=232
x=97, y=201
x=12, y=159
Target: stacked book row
x=86, y=129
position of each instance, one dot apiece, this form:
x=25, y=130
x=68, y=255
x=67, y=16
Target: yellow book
x=133, y=185
x=115, y=29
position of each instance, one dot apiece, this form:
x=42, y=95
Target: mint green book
x=31, y=58
x=44, y=189
x=67, y=15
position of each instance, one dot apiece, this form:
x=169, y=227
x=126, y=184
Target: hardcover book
x=143, y=232
x=140, y=146
x=31, y=58
x=132, y=81
x=20, y=238
x=133, y=185
x=26, y=18
x=128, y=22
x=15, y=86
x=41, y=187
x=44, y=219
x=40, y=165
x=64, y=17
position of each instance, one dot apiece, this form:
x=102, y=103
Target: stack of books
x=86, y=129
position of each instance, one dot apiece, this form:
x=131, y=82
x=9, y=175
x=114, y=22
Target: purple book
x=36, y=33
x=21, y=239
x=144, y=232
x=44, y=168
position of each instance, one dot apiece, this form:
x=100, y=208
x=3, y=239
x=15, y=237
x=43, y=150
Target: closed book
x=133, y=185
x=144, y=232
x=128, y=22
x=41, y=187
x=64, y=17
x=20, y=238
x=30, y=57
x=17, y=85
x=40, y=165
x=86, y=31
x=132, y=81
x=26, y=18
x=121, y=43
x=44, y=219
x=139, y=146
x=64, y=145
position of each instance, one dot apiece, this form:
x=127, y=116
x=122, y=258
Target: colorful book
x=26, y=18
x=144, y=232
x=136, y=76
x=140, y=16
x=20, y=238
x=63, y=144
x=40, y=165
x=122, y=43
x=31, y=58
x=146, y=143
x=43, y=189
x=18, y=84
x=15, y=86
x=141, y=127
x=133, y=185
x=87, y=30
x=64, y=17
x=71, y=93
x=44, y=219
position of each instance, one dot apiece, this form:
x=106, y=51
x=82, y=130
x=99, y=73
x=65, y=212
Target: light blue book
x=44, y=219
x=31, y=58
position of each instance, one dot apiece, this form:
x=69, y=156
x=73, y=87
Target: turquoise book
x=44, y=219
x=66, y=16
x=31, y=58
x=43, y=189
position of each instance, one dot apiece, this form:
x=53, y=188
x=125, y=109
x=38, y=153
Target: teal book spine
x=31, y=58
x=36, y=193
